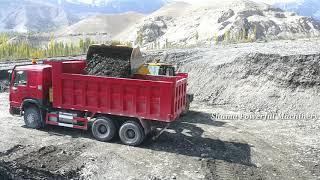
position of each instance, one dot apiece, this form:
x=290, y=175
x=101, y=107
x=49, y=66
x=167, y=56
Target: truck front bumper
x=15, y=111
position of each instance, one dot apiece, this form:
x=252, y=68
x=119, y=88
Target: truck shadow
x=185, y=138
x=201, y=118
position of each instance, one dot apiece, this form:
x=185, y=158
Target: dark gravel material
x=103, y=66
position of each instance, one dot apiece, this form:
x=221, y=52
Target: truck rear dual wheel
x=32, y=117
x=103, y=129
x=131, y=133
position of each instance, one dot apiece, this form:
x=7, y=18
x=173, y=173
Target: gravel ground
x=197, y=147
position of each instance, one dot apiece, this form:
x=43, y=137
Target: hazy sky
x=206, y=1
x=265, y=1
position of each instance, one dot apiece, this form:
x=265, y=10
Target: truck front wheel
x=131, y=133
x=32, y=117
x=103, y=129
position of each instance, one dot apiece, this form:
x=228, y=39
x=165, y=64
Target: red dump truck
x=60, y=93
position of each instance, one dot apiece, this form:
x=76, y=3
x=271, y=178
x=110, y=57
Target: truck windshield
x=20, y=78
x=154, y=70
x=170, y=71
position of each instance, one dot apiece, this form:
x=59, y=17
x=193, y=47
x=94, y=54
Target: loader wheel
x=131, y=133
x=187, y=110
x=103, y=129
x=32, y=117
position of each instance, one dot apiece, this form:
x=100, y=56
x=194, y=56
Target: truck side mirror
x=10, y=75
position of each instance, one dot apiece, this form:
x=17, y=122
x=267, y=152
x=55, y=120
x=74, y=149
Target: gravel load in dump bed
x=103, y=66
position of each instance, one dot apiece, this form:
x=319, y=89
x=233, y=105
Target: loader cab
x=157, y=69
x=29, y=83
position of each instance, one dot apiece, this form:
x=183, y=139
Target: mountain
x=99, y=27
x=229, y=20
x=303, y=7
x=174, y=24
x=40, y=15
x=28, y=15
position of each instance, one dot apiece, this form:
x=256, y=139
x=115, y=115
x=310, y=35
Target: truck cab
x=29, y=85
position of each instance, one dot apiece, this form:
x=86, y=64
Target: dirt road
x=197, y=147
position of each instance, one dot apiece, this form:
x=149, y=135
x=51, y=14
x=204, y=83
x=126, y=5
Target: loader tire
x=32, y=117
x=103, y=129
x=187, y=110
x=131, y=133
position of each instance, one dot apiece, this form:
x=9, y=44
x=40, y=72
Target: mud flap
x=146, y=126
x=158, y=134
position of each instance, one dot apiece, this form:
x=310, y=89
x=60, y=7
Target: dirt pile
x=295, y=71
x=103, y=66
x=47, y=162
x=260, y=83
x=277, y=77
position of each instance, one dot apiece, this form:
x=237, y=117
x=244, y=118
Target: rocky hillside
x=25, y=16
x=231, y=20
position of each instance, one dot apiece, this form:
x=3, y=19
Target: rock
x=203, y=155
x=225, y=15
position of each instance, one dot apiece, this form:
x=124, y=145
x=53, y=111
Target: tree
x=139, y=39
x=81, y=44
x=24, y=50
x=227, y=36
x=254, y=33
x=216, y=38
x=197, y=36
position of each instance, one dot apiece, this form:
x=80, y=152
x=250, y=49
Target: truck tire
x=32, y=117
x=103, y=129
x=131, y=133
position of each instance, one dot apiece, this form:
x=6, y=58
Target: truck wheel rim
x=102, y=129
x=30, y=118
x=130, y=134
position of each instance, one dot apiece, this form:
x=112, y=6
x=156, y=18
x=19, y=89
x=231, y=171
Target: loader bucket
x=133, y=55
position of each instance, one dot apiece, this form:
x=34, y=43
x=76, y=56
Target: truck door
x=18, y=89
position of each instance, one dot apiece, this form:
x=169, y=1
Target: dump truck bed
x=157, y=98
